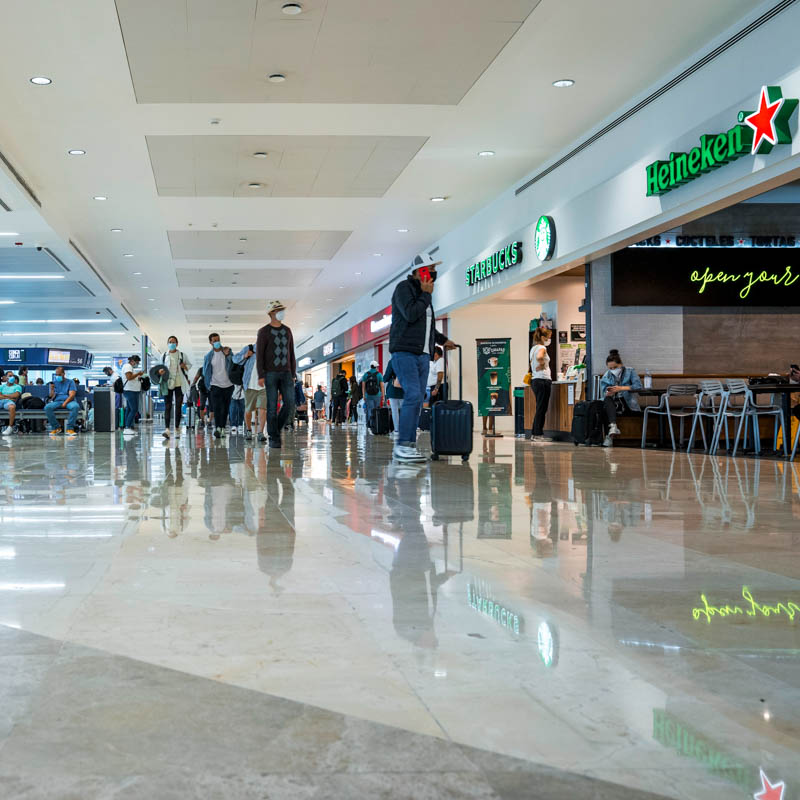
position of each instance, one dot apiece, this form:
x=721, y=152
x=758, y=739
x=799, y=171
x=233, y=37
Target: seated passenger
x=617, y=389
x=10, y=392
x=62, y=395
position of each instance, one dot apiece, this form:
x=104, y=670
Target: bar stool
x=749, y=412
x=710, y=403
x=665, y=409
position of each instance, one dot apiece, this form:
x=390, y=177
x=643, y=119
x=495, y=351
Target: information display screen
x=14, y=355
x=58, y=357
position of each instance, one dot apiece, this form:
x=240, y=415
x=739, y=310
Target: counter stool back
x=749, y=412
x=710, y=405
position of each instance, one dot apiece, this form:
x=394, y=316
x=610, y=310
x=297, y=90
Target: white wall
x=598, y=198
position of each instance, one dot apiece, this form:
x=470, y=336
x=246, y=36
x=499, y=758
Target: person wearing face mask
x=276, y=365
x=216, y=366
x=10, y=392
x=412, y=339
x=541, y=381
x=617, y=389
x=62, y=395
x=174, y=388
x=131, y=391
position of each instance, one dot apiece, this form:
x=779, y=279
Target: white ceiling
x=260, y=245
x=435, y=72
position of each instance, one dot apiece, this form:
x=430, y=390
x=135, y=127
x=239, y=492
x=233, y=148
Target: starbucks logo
x=544, y=239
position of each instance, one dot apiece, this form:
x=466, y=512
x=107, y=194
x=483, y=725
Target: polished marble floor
x=209, y=619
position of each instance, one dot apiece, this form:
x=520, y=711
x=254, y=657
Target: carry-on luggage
x=587, y=423
x=425, y=419
x=452, y=422
x=381, y=422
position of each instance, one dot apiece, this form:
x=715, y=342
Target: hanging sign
x=755, y=133
x=544, y=238
x=509, y=256
x=494, y=377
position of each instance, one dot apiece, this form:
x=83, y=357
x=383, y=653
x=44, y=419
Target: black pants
x=220, y=403
x=541, y=391
x=177, y=394
x=610, y=409
x=339, y=408
x=354, y=408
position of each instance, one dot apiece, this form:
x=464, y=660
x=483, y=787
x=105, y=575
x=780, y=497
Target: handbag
x=528, y=378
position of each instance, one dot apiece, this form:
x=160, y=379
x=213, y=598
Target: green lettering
x=515, y=254
x=707, y=162
x=652, y=179
x=721, y=149
x=663, y=176
x=681, y=169
x=750, y=283
x=694, y=162
x=495, y=264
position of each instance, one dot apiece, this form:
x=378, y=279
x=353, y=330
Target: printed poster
x=494, y=377
x=577, y=332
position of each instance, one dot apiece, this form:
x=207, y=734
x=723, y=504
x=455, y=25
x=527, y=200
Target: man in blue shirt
x=372, y=390
x=10, y=392
x=62, y=395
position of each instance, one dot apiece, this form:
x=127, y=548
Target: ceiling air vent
x=21, y=181
x=86, y=288
x=304, y=341
x=57, y=259
x=90, y=265
x=124, y=326
x=130, y=315
x=4, y=206
x=113, y=315
x=341, y=316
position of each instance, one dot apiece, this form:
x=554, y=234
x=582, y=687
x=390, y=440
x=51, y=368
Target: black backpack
x=119, y=386
x=145, y=382
x=371, y=384
x=236, y=374
x=32, y=403
x=339, y=386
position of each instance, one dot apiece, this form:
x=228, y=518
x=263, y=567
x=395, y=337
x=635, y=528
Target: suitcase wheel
x=434, y=456
x=465, y=458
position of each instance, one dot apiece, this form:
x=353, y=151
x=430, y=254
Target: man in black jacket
x=412, y=339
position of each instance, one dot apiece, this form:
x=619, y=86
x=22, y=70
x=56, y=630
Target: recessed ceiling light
x=254, y=185
x=563, y=83
x=116, y=230
x=259, y=154
x=359, y=273
x=240, y=252
x=127, y=255
x=9, y=233
x=100, y=197
x=7, y=302
x=77, y=152
x=215, y=121
x=486, y=153
x=242, y=238
x=7, y=277
x=145, y=287
x=41, y=80
x=276, y=77
x=137, y=273
x=292, y=9
x=402, y=230
x=438, y=199
x=151, y=299
x=377, y=255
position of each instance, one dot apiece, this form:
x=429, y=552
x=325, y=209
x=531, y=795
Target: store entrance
x=348, y=364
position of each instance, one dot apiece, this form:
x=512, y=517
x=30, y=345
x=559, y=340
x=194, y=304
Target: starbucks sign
x=544, y=238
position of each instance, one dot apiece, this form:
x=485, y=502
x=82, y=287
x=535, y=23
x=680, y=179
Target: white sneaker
x=8, y=430
x=129, y=432
x=404, y=453
x=613, y=430
x=166, y=434
x=607, y=442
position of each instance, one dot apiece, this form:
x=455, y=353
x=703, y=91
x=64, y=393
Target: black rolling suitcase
x=381, y=422
x=587, y=423
x=425, y=419
x=452, y=422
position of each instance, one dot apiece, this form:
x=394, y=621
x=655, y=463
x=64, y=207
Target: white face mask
x=279, y=315
x=616, y=372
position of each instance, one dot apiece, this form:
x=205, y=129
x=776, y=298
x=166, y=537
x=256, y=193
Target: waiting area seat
x=43, y=393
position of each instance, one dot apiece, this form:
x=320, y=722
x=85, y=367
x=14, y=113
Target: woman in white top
x=541, y=380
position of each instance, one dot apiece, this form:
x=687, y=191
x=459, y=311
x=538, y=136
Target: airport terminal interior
x=399, y=400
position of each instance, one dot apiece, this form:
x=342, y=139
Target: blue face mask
x=217, y=345
x=172, y=347
x=11, y=379
x=58, y=378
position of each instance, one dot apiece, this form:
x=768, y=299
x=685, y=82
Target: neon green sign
x=750, y=279
x=544, y=238
x=478, y=600
x=750, y=608
x=497, y=262
x=756, y=133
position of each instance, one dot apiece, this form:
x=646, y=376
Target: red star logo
x=763, y=120
x=770, y=791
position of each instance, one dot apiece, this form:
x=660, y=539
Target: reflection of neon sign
x=379, y=324
x=751, y=608
x=488, y=607
x=547, y=641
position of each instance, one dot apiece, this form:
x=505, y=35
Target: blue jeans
x=50, y=411
x=282, y=382
x=412, y=372
x=237, y=412
x=131, y=408
x=371, y=401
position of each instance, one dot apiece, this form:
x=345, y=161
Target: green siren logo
x=497, y=262
x=756, y=133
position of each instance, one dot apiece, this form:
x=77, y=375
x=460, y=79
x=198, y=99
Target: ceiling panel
x=316, y=166
x=251, y=319
x=336, y=51
x=258, y=245
x=201, y=303
x=262, y=278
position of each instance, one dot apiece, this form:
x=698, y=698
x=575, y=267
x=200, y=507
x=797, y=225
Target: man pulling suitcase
x=412, y=339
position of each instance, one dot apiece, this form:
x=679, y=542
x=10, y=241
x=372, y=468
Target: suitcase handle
x=460, y=372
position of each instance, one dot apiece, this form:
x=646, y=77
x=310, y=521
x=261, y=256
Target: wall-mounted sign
x=707, y=277
x=497, y=262
x=787, y=609
x=16, y=355
x=679, y=240
x=755, y=133
x=384, y=322
x=328, y=348
x=305, y=362
x=544, y=238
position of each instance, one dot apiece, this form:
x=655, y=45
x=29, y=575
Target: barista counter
x=563, y=396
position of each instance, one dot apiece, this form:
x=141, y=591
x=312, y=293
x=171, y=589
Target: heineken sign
x=497, y=262
x=755, y=133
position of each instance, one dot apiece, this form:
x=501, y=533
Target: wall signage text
x=497, y=262
x=305, y=362
x=667, y=240
x=749, y=608
x=327, y=349
x=755, y=133
x=376, y=325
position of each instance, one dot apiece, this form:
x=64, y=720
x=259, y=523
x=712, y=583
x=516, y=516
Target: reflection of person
x=275, y=538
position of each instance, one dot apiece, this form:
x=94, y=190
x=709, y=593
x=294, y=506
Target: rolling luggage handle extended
x=460, y=375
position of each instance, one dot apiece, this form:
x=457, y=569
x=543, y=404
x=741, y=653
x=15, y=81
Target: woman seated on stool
x=617, y=389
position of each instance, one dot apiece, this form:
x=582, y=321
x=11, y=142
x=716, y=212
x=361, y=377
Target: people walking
x=319, y=403
x=339, y=394
x=255, y=397
x=542, y=380
x=131, y=392
x=276, y=365
x=412, y=339
x=394, y=394
x=62, y=395
x=174, y=384
x=373, y=390
x=355, y=398
x=216, y=365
